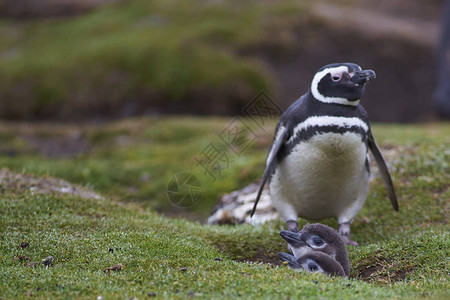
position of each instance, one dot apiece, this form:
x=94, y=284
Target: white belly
x=322, y=178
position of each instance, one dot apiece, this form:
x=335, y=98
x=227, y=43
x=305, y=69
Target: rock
x=117, y=267
x=47, y=261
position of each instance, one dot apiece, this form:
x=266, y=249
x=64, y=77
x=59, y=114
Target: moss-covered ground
x=117, y=246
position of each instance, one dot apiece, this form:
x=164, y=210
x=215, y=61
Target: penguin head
x=314, y=237
x=341, y=83
x=317, y=238
x=314, y=262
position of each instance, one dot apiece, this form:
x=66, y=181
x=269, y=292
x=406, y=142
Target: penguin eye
x=318, y=241
x=312, y=267
x=336, y=77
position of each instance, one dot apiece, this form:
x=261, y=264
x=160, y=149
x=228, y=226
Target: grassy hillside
x=136, y=55
x=117, y=246
x=140, y=57
x=134, y=159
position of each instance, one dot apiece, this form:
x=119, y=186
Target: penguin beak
x=290, y=259
x=293, y=238
x=362, y=77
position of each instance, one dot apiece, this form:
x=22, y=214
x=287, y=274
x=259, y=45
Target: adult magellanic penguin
x=318, y=166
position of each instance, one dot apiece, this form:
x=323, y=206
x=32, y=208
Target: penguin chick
x=317, y=166
x=313, y=262
x=318, y=238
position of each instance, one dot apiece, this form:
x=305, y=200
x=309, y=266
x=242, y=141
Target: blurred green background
x=101, y=59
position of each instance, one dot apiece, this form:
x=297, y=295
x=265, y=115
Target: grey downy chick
x=318, y=238
x=314, y=262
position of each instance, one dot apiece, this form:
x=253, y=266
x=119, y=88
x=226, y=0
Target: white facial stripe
x=327, y=121
x=278, y=135
x=318, y=247
x=322, y=98
x=299, y=252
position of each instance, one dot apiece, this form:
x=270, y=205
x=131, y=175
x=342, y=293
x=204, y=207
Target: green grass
x=402, y=254
x=135, y=159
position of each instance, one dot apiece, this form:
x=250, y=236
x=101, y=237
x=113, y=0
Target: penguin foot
x=344, y=231
x=292, y=226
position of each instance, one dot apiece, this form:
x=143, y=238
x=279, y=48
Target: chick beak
x=293, y=238
x=289, y=259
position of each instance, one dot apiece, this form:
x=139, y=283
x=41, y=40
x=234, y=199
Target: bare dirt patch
x=383, y=270
x=263, y=257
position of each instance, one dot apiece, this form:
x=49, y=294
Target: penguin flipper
x=281, y=138
x=383, y=170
